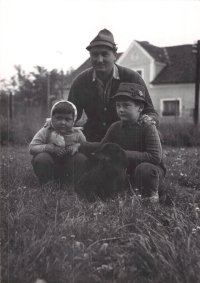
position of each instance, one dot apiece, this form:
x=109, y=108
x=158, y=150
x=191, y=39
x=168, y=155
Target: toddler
x=55, y=146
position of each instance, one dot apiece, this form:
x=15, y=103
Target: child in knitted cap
x=55, y=146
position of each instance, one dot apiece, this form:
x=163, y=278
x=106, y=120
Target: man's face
x=127, y=110
x=62, y=123
x=102, y=59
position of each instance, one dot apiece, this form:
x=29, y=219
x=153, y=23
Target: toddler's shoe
x=154, y=198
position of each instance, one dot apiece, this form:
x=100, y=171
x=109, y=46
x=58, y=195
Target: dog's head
x=113, y=154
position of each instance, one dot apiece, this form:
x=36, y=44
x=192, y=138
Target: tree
x=30, y=90
x=32, y=87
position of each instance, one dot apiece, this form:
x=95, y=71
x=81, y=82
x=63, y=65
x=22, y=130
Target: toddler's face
x=62, y=123
x=127, y=110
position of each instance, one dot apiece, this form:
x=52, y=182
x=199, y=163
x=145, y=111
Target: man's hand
x=59, y=151
x=146, y=119
x=72, y=149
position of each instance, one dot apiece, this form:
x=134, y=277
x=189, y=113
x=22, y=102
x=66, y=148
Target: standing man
x=92, y=89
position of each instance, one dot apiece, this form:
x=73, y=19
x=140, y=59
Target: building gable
x=159, y=54
x=143, y=56
x=134, y=54
x=136, y=58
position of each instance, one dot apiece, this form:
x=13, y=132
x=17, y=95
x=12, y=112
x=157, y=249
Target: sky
x=55, y=33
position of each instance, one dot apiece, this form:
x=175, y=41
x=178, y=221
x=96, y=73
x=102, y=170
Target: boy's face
x=62, y=123
x=127, y=110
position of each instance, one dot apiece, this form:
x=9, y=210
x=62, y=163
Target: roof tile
x=180, y=63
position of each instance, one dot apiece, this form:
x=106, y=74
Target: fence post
x=197, y=81
x=48, y=93
x=11, y=105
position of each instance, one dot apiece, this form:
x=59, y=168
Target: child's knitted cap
x=68, y=102
x=49, y=120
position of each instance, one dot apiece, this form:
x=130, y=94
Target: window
x=170, y=107
x=134, y=57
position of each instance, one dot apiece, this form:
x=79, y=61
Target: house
x=169, y=73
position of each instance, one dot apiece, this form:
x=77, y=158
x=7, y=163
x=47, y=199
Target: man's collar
x=115, y=74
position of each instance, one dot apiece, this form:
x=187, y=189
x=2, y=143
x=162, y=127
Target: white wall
x=135, y=58
x=184, y=92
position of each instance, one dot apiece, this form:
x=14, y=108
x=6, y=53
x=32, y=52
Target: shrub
x=21, y=129
x=180, y=134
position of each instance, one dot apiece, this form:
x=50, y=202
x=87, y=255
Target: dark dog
x=108, y=177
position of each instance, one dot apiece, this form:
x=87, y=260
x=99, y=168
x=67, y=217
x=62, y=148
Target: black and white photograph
x=100, y=141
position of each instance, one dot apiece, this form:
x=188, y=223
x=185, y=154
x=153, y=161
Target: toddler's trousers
x=49, y=167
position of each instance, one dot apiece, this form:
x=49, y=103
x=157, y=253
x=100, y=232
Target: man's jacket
x=84, y=94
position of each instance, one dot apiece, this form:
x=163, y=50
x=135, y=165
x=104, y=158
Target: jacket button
x=105, y=109
x=104, y=124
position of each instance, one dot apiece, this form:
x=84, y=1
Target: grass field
x=50, y=234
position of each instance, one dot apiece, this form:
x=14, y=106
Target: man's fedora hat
x=131, y=90
x=105, y=38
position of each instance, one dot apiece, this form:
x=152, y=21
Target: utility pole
x=62, y=84
x=60, y=52
x=196, y=50
x=48, y=93
x=11, y=105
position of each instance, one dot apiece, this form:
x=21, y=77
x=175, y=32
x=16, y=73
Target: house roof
x=180, y=69
x=180, y=63
x=158, y=53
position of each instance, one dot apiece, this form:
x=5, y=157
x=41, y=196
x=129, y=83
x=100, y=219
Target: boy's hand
x=72, y=149
x=146, y=119
x=59, y=151
x=47, y=123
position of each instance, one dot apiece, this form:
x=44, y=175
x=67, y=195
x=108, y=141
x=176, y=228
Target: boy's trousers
x=49, y=167
x=146, y=177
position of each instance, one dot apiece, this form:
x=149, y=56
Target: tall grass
x=49, y=233
x=26, y=122
x=22, y=127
